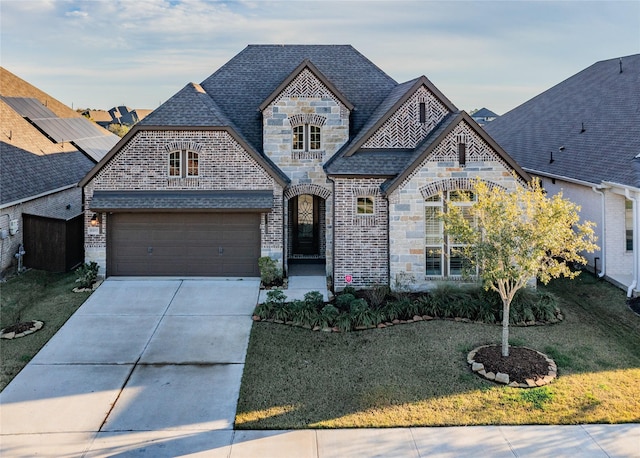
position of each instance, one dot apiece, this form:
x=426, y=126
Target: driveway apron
x=140, y=355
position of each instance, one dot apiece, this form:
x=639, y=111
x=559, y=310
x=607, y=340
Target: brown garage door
x=183, y=244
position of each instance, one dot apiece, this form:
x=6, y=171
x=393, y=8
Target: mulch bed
x=521, y=364
x=21, y=329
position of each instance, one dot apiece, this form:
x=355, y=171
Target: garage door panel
x=184, y=244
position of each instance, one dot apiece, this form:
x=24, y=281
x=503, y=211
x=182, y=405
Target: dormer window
x=183, y=164
x=306, y=137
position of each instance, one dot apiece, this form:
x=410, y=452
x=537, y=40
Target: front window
x=628, y=224
x=365, y=206
x=175, y=169
x=298, y=138
x=183, y=163
x=442, y=252
x=306, y=137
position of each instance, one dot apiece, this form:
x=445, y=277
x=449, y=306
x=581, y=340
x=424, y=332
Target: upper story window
x=183, y=164
x=306, y=137
x=442, y=257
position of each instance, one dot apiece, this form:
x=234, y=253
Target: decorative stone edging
x=478, y=368
x=88, y=290
x=35, y=326
x=386, y=324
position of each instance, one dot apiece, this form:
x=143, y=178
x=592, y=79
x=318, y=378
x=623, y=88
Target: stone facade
x=438, y=172
x=142, y=164
x=306, y=101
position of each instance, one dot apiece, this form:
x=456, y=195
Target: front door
x=304, y=211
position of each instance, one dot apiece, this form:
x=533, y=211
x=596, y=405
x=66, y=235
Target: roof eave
x=461, y=116
x=423, y=80
x=277, y=175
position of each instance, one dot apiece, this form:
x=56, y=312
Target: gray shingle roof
x=24, y=174
x=243, y=83
x=594, y=116
x=190, y=106
x=179, y=200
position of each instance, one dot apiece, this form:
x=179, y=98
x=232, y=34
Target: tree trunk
x=505, y=327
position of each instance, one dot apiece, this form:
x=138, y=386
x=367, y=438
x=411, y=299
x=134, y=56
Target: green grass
x=416, y=374
x=34, y=295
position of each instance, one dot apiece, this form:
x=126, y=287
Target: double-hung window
x=183, y=164
x=443, y=258
x=306, y=137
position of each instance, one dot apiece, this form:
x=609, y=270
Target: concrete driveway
x=153, y=368
x=161, y=358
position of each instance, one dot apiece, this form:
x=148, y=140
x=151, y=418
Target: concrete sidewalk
x=152, y=367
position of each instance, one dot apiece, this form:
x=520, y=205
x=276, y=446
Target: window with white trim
x=306, y=137
x=364, y=205
x=183, y=164
x=442, y=256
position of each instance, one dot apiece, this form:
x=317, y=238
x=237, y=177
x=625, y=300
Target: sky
x=482, y=53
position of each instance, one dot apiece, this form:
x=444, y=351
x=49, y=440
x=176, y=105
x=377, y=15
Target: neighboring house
x=582, y=137
x=45, y=149
x=116, y=115
x=304, y=153
x=483, y=116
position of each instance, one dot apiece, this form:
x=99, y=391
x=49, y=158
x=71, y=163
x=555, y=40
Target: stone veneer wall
x=439, y=171
x=142, y=164
x=361, y=241
x=306, y=100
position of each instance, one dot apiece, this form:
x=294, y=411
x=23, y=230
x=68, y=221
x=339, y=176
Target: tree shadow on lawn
x=417, y=375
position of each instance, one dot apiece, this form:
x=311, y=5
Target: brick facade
x=361, y=241
x=142, y=164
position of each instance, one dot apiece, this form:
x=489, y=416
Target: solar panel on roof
x=96, y=147
x=67, y=129
x=28, y=107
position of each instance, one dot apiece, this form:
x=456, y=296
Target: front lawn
x=34, y=295
x=416, y=374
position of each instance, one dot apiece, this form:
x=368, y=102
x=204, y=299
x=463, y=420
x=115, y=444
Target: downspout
x=333, y=236
x=604, y=233
x=636, y=256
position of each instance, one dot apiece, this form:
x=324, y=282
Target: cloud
x=487, y=53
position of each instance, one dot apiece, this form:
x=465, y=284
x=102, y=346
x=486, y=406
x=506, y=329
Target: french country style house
x=304, y=153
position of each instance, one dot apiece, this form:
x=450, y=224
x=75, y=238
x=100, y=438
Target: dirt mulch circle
x=21, y=329
x=523, y=368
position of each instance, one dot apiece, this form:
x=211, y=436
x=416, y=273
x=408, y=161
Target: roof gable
x=241, y=86
x=442, y=144
x=306, y=81
x=588, y=123
x=396, y=121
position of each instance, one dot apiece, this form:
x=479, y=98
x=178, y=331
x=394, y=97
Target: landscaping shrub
x=87, y=274
x=344, y=300
x=270, y=273
x=349, y=311
x=327, y=316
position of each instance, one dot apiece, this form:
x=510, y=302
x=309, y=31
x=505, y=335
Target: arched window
x=442, y=258
x=183, y=164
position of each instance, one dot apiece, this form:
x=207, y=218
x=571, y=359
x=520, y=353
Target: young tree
x=514, y=237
